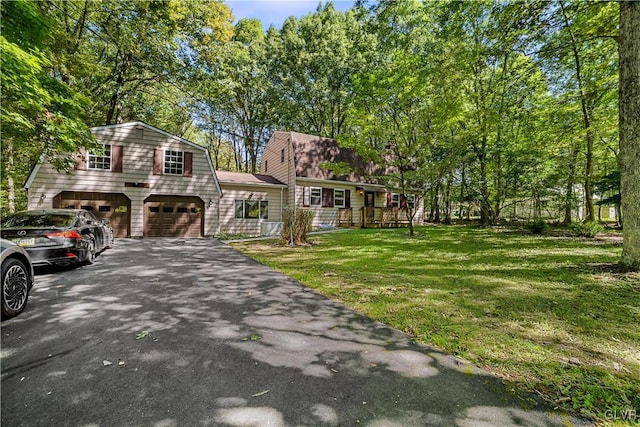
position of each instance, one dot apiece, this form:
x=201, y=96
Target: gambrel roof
x=313, y=153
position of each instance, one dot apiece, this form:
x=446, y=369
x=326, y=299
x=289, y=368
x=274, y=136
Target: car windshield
x=37, y=220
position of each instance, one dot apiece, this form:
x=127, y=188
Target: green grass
x=549, y=314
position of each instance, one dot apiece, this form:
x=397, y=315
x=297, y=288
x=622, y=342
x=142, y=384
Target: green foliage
x=538, y=226
x=587, y=229
x=338, y=168
x=297, y=223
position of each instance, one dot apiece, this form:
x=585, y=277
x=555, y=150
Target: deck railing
x=383, y=217
x=345, y=217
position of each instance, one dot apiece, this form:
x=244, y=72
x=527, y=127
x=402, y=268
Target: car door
x=96, y=229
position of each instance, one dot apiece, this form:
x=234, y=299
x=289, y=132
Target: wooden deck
x=373, y=217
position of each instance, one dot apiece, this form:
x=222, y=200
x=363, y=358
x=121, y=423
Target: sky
x=275, y=12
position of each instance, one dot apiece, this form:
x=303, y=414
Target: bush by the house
x=297, y=223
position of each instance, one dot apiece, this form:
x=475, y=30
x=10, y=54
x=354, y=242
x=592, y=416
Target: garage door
x=116, y=207
x=173, y=216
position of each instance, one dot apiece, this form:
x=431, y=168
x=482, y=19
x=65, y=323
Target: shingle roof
x=311, y=152
x=247, y=178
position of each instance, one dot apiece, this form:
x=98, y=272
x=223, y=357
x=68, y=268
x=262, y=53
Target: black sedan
x=17, y=278
x=58, y=236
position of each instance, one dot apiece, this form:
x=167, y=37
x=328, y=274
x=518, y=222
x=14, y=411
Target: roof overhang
x=371, y=187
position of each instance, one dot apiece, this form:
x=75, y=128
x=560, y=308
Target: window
x=101, y=161
x=173, y=162
x=411, y=201
x=251, y=209
x=395, y=200
x=316, y=196
x=104, y=208
x=282, y=156
x=266, y=166
x=338, y=198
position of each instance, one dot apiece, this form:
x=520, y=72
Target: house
x=337, y=184
x=251, y=203
x=146, y=182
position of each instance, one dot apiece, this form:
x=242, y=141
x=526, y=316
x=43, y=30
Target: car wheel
x=15, y=287
x=91, y=252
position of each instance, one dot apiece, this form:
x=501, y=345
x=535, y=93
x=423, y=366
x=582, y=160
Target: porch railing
x=345, y=217
x=383, y=217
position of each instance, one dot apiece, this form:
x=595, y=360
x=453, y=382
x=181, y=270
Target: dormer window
x=101, y=160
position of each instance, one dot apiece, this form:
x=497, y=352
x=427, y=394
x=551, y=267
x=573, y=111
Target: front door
x=370, y=203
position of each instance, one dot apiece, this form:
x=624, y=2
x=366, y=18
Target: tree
x=312, y=61
x=629, y=48
x=42, y=117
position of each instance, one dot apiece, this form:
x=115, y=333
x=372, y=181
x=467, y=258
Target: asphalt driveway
x=189, y=332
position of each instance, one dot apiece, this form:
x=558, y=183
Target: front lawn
x=549, y=314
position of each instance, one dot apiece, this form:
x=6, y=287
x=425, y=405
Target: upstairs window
x=100, y=160
x=282, y=156
x=173, y=162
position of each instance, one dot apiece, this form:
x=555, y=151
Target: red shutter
x=389, y=200
x=347, y=198
x=158, y=162
x=403, y=201
x=327, y=197
x=116, y=158
x=81, y=160
x=188, y=164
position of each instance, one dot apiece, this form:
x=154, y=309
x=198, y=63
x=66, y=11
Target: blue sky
x=275, y=12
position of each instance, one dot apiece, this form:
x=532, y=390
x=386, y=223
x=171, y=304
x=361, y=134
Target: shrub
x=587, y=229
x=296, y=225
x=537, y=227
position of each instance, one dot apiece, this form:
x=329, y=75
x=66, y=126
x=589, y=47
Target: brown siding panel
x=188, y=164
x=158, y=162
x=116, y=158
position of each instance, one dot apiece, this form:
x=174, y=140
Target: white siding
x=329, y=216
x=285, y=171
x=232, y=192
x=139, y=142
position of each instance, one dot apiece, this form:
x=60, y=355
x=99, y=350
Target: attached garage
x=173, y=216
x=116, y=207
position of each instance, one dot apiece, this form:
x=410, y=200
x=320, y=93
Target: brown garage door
x=116, y=207
x=173, y=216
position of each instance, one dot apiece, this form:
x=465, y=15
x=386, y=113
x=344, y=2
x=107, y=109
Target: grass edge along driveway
x=551, y=315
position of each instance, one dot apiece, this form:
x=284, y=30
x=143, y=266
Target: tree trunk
x=484, y=186
x=448, y=205
x=586, y=116
x=629, y=129
x=569, y=197
x=436, y=203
